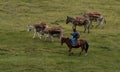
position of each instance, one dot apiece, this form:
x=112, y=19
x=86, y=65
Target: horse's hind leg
x=86, y=49
x=85, y=52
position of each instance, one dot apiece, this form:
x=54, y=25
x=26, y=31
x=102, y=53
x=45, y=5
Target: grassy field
x=20, y=53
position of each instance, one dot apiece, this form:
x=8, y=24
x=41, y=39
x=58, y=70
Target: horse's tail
x=86, y=46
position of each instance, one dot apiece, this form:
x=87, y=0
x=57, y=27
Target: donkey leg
x=34, y=34
x=39, y=35
x=99, y=22
x=89, y=23
x=85, y=28
x=51, y=38
x=102, y=22
x=97, y=25
x=73, y=27
x=46, y=37
x=88, y=28
x=61, y=34
x=91, y=26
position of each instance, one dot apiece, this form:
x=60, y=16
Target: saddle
x=77, y=43
x=79, y=20
x=94, y=13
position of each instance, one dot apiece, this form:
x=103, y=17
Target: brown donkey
x=96, y=17
x=37, y=28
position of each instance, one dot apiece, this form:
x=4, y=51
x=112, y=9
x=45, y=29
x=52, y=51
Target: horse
x=79, y=22
x=37, y=28
x=79, y=43
x=96, y=17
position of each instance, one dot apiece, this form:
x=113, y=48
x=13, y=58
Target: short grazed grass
x=20, y=53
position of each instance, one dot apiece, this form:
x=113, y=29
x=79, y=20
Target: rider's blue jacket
x=75, y=35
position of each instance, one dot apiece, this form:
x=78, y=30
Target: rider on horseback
x=75, y=35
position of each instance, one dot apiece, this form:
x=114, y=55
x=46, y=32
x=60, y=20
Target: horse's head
x=63, y=40
x=30, y=27
x=69, y=19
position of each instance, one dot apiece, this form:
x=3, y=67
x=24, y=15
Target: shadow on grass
x=105, y=48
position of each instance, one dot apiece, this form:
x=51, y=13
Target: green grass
x=20, y=53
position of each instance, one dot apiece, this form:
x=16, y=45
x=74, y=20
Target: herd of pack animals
x=85, y=20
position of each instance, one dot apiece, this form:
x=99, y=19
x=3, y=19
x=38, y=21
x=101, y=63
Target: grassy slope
x=20, y=53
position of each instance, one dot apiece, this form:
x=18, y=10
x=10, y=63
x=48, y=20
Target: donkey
x=52, y=31
x=96, y=17
x=79, y=21
x=37, y=28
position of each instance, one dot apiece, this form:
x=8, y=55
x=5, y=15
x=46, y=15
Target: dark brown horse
x=79, y=43
x=80, y=21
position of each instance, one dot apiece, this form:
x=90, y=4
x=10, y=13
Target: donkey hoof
x=79, y=54
x=85, y=54
x=69, y=55
x=72, y=53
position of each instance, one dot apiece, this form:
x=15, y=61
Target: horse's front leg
x=70, y=49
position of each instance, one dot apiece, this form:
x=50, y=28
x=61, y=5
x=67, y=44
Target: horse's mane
x=66, y=38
